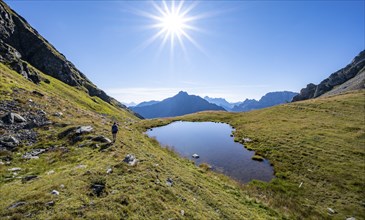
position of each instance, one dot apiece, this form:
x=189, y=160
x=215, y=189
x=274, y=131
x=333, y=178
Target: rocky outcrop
x=21, y=45
x=355, y=69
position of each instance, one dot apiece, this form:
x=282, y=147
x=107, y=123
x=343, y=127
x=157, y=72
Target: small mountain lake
x=215, y=146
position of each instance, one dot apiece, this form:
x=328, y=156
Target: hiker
x=114, y=131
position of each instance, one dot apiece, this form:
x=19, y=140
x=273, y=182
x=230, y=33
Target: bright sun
x=173, y=23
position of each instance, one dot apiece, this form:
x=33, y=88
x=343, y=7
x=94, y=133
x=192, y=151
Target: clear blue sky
x=245, y=48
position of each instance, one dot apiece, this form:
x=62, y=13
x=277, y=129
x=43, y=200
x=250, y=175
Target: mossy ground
x=317, y=148
x=138, y=192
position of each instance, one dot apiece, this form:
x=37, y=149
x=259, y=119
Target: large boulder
x=10, y=118
x=102, y=139
x=84, y=129
x=9, y=141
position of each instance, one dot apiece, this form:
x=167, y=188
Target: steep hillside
x=268, y=100
x=180, y=104
x=346, y=79
x=21, y=45
x=56, y=169
x=316, y=148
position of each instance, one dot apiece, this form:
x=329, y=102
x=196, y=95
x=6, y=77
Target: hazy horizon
x=143, y=50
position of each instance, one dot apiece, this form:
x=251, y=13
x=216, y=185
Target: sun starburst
x=172, y=23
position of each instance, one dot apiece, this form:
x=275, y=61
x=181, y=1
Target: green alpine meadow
x=76, y=145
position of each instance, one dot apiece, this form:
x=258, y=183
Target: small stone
x=15, y=169
x=28, y=178
x=331, y=211
x=42, y=112
x=62, y=186
x=1, y=163
x=169, y=182
x=98, y=189
x=81, y=166
x=17, y=204
x=50, y=172
x=246, y=140
x=109, y=170
x=58, y=114
x=55, y=192
x=351, y=218
x=182, y=212
x=196, y=156
x=33, y=154
x=37, y=93
x=130, y=159
x=51, y=203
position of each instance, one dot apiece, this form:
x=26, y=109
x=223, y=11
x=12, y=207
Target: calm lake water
x=213, y=143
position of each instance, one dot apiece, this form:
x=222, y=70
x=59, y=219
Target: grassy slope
x=136, y=192
x=319, y=143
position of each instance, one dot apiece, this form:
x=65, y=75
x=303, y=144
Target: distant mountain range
x=268, y=100
x=222, y=102
x=180, y=104
x=351, y=77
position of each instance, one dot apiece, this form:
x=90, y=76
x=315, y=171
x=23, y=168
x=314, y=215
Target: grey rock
x=58, y=114
x=10, y=118
x=42, y=112
x=55, y=192
x=351, y=218
x=50, y=203
x=102, y=139
x=9, y=141
x=109, y=170
x=33, y=154
x=169, y=182
x=98, y=189
x=130, y=160
x=17, y=204
x=331, y=211
x=14, y=169
x=84, y=129
x=247, y=140
x=28, y=178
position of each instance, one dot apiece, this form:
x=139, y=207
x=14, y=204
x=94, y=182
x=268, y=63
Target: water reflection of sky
x=213, y=143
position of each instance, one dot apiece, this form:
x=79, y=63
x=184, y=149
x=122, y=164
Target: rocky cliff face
x=21, y=45
x=355, y=69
